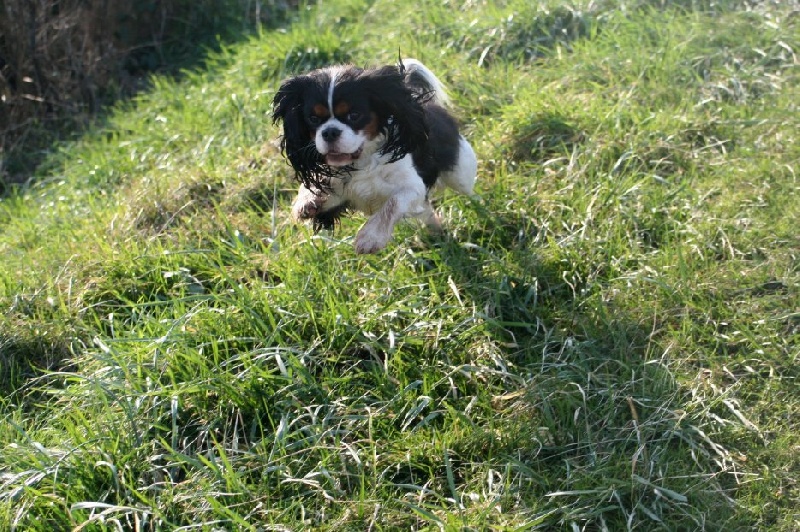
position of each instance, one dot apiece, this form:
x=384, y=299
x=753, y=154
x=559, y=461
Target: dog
x=371, y=140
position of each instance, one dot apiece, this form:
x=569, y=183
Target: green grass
x=605, y=339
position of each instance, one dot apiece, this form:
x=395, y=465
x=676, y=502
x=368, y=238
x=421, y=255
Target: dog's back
x=447, y=158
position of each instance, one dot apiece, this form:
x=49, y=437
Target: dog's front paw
x=307, y=206
x=370, y=241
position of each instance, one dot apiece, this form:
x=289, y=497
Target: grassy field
x=605, y=339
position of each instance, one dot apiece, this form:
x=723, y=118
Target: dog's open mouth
x=341, y=159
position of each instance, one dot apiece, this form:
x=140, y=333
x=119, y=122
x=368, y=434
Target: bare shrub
x=61, y=60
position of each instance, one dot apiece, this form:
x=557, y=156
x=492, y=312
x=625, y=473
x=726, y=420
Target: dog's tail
x=420, y=77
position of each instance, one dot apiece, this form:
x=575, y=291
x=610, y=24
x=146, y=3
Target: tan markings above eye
x=341, y=108
x=320, y=111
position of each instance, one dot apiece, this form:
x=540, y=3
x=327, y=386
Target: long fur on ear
x=401, y=109
x=297, y=143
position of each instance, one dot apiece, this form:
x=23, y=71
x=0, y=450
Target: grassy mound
x=605, y=339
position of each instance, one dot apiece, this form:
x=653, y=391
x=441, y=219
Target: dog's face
x=334, y=117
x=342, y=124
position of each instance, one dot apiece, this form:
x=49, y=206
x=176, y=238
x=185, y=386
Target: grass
x=605, y=339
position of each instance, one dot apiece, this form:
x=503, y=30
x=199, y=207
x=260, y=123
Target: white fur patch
x=350, y=141
x=334, y=74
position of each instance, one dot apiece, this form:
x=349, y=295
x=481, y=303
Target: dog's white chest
x=367, y=189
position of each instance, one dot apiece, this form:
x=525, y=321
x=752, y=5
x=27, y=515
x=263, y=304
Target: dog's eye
x=314, y=120
x=353, y=116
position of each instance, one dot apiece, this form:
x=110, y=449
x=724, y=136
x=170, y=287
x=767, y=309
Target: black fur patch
x=329, y=219
x=440, y=153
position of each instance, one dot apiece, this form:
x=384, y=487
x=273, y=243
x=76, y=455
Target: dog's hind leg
x=461, y=177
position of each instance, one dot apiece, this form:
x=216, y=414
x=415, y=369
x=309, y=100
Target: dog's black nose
x=330, y=134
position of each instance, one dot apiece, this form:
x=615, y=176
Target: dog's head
x=336, y=116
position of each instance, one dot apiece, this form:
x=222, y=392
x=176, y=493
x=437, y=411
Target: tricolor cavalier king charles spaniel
x=371, y=140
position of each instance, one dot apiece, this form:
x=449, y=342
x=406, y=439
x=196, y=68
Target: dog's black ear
x=297, y=143
x=287, y=106
x=400, y=109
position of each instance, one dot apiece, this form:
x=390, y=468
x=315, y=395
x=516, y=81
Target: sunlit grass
x=606, y=338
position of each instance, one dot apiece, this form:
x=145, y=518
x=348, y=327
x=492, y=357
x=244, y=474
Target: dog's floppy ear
x=287, y=106
x=297, y=144
x=403, y=117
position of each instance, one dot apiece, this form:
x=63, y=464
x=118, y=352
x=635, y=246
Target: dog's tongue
x=339, y=159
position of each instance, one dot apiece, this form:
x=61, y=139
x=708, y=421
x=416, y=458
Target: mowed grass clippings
x=604, y=339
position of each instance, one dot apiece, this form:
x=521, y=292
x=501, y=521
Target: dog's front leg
x=377, y=232
x=308, y=203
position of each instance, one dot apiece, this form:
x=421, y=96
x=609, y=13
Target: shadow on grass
x=593, y=402
x=27, y=353
x=543, y=136
x=181, y=43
